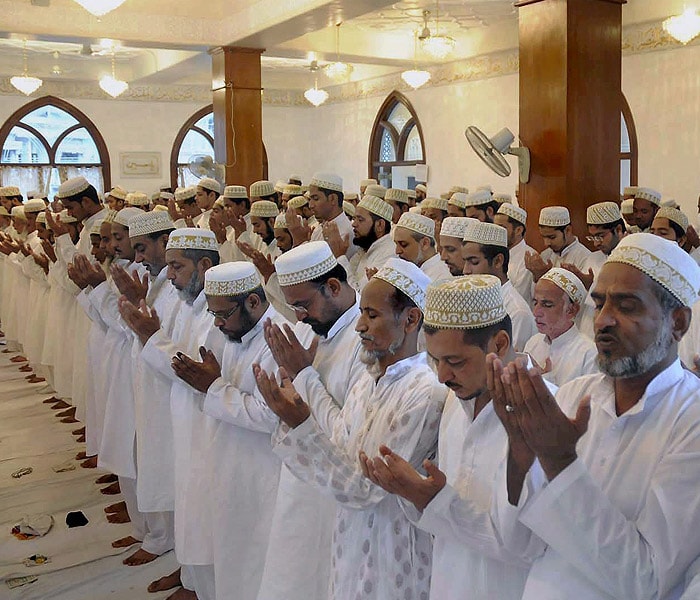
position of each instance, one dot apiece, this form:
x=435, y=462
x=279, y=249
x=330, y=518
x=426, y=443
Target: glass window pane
x=207, y=124
x=625, y=136
x=399, y=116
x=194, y=143
x=49, y=121
x=77, y=147
x=413, y=149
x=22, y=146
x=625, y=165
x=387, y=152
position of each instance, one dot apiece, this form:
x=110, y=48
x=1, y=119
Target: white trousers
x=156, y=529
x=199, y=579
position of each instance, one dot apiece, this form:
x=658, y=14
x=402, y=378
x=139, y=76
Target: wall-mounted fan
x=493, y=151
x=203, y=165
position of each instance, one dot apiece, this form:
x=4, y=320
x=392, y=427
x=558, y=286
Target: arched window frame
x=83, y=122
x=381, y=123
x=633, y=154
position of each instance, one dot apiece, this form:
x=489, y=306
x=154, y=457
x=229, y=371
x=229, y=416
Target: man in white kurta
x=514, y=219
x=298, y=561
x=621, y=455
x=377, y=552
x=326, y=204
x=559, y=348
x=414, y=239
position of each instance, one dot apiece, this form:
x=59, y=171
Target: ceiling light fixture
x=683, y=28
x=338, y=70
x=314, y=95
x=25, y=83
x=111, y=85
x=415, y=77
x=435, y=45
x=100, y=8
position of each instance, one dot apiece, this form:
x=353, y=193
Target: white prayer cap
x=418, y=223
x=209, y=184
x=34, y=205
x=110, y=216
x=670, y=202
x=34, y=194
x=150, y=222
x=265, y=209
x=366, y=182
x=422, y=188
x=486, y=234
x=458, y=189
x=118, y=193
x=478, y=198
x=231, y=279
x=349, y=208
x=327, y=181
x=350, y=195
x=96, y=227
x=602, y=213
x=281, y=221
x=297, y=202
x=3, y=212
x=627, y=206
x=192, y=238
x=502, y=198
x=279, y=186
x=304, y=263
x=73, y=187
x=665, y=212
x=137, y=199
x=377, y=206
x=376, y=190
x=454, y=227
x=414, y=210
x=235, y=191
x=630, y=190
x=155, y=196
x=17, y=212
x=292, y=189
x=185, y=193
x=411, y=194
x=9, y=190
x=437, y=203
x=125, y=214
x=649, y=195
x=662, y=260
x=261, y=188
x=219, y=202
x=514, y=212
x=397, y=195
x=554, y=216
x=466, y=302
x=41, y=217
x=568, y=282
x=407, y=277
x=458, y=199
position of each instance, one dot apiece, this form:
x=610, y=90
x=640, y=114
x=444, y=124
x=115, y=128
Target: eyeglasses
x=304, y=308
x=224, y=316
x=596, y=238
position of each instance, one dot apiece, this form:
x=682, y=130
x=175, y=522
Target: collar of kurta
x=564, y=338
x=257, y=329
x=402, y=367
x=570, y=247
x=343, y=321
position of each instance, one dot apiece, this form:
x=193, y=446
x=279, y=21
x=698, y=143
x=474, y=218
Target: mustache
x=369, y=338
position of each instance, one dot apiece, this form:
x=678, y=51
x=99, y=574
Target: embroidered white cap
x=150, y=222
x=454, y=227
x=627, y=206
x=304, y=263
x=34, y=205
x=377, y=207
x=514, y=212
x=209, y=184
x=125, y=214
x=436, y=203
x=466, y=302
x=502, y=198
x=568, y=282
x=185, y=193
x=554, y=216
x=418, y=223
x=458, y=199
x=630, y=190
x=137, y=199
x=292, y=189
x=376, y=190
x=458, y=189
x=231, y=279
x=349, y=208
x=261, y=188
x=264, y=208
x=478, y=198
x=17, y=212
x=486, y=234
x=9, y=190
x=327, y=181
x=397, y=195
x=603, y=213
x=649, y=195
x=407, y=277
x=73, y=187
x=422, y=188
x=297, y=202
x=366, y=182
x=118, y=192
x=665, y=212
x=281, y=221
x=192, y=238
x=235, y=191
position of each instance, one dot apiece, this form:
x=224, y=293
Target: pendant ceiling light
x=435, y=45
x=24, y=82
x=100, y=8
x=415, y=77
x=113, y=86
x=314, y=95
x=338, y=70
x=683, y=28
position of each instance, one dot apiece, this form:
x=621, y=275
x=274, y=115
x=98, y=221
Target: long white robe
x=517, y=273
x=524, y=326
x=373, y=258
x=435, y=268
x=575, y=253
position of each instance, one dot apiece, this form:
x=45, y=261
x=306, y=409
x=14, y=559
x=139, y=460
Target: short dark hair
x=400, y=301
x=493, y=204
x=491, y=251
x=677, y=228
x=375, y=218
x=666, y=299
x=479, y=337
x=419, y=236
x=328, y=192
x=156, y=234
x=245, y=201
x=196, y=255
x=241, y=298
x=89, y=192
x=610, y=226
x=337, y=272
x=274, y=197
x=516, y=223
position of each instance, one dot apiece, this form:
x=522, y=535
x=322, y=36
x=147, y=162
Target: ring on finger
x=510, y=408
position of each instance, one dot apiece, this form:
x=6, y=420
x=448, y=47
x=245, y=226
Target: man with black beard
x=371, y=227
x=262, y=218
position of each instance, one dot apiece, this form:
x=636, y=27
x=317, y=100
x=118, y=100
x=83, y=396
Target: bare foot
x=60, y=405
x=118, y=518
x=80, y=431
x=116, y=507
x=18, y=359
x=69, y=420
x=6, y=351
x=125, y=542
x=80, y=439
x=67, y=413
x=166, y=583
x=35, y=379
x=81, y=456
x=108, y=478
x=90, y=463
x=25, y=369
x=140, y=557
x=111, y=490
x=182, y=594
x=51, y=400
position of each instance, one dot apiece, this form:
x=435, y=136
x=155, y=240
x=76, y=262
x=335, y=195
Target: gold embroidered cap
x=486, y=234
x=376, y=190
x=297, y=202
x=304, y=263
x=231, y=279
x=602, y=213
x=466, y=302
x=261, y=188
x=407, y=277
x=502, y=198
x=458, y=189
x=265, y=209
x=366, y=182
x=34, y=205
x=568, y=282
x=665, y=212
x=17, y=212
x=630, y=190
x=192, y=238
x=514, y=212
x=627, y=206
x=182, y=194
x=397, y=195
x=554, y=216
x=478, y=198
x=649, y=195
x=150, y=222
x=209, y=184
x=137, y=199
x=235, y=191
x=349, y=208
x=437, y=203
x=280, y=221
x=458, y=199
x=73, y=187
x=418, y=223
x=327, y=181
x=377, y=207
x=291, y=189
x=9, y=190
x=118, y=192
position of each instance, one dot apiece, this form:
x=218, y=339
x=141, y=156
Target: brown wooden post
x=570, y=105
x=237, y=96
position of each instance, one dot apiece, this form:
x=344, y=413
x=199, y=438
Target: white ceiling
x=165, y=42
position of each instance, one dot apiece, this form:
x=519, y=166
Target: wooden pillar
x=570, y=104
x=237, y=89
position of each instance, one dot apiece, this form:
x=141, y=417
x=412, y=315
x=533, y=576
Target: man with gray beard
x=620, y=450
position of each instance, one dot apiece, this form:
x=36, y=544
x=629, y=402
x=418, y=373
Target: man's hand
x=396, y=475
x=76, y=276
x=130, y=286
x=297, y=229
x=94, y=274
x=536, y=265
x=49, y=250
x=24, y=249
x=174, y=211
x=141, y=320
x=199, y=375
x=55, y=224
x=284, y=401
x=42, y=261
x=692, y=237
x=262, y=263
x=586, y=278
x=370, y=272
x=287, y=350
x=218, y=228
x=339, y=244
x=237, y=222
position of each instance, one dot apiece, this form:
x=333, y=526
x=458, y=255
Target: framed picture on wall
x=139, y=164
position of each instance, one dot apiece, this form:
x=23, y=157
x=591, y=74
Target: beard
x=194, y=287
x=371, y=358
x=638, y=364
x=365, y=241
x=246, y=323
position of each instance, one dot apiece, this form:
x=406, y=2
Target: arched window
x=396, y=144
x=629, y=152
x=48, y=141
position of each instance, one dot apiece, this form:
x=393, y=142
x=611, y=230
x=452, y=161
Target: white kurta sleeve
x=692, y=582
x=224, y=401
x=158, y=352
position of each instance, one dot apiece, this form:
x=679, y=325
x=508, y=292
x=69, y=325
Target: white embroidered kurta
x=373, y=258
x=572, y=355
x=620, y=521
x=524, y=326
x=435, y=268
x=297, y=565
x=575, y=253
x=377, y=553
x=517, y=273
